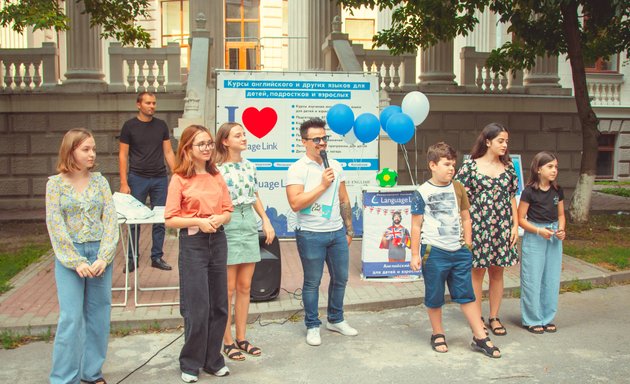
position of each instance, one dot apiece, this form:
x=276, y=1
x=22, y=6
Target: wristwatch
x=350, y=233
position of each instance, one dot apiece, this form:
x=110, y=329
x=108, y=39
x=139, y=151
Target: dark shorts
x=451, y=267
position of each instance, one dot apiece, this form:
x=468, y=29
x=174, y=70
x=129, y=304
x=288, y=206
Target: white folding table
x=157, y=218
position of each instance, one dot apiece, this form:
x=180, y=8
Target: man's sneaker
x=342, y=327
x=187, y=378
x=312, y=337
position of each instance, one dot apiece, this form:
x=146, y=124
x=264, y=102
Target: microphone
x=324, y=157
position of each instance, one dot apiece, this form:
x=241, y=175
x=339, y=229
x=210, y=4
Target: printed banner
x=386, y=248
x=272, y=105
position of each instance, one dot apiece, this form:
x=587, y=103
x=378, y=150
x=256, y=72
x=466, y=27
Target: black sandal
x=232, y=352
x=435, y=344
x=537, y=329
x=551, y=328
x=485, y=329
x=244, y=345
x=497, y=331
x=100, y=380
x=481, y=345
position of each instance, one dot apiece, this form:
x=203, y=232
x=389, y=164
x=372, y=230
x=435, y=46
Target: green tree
x=115, y=17
x=584, y=30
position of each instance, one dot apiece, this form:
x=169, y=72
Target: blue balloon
x=366, y=127
x=340, y=118
x=400, y=128
x=387, y=113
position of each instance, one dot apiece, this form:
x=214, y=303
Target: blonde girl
x=82, y=225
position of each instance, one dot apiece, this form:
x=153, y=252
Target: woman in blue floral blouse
x=82, y=225
x=491, y=184
x=241, y=232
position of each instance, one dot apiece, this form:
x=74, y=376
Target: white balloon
x=416, y=105
x=350, y=137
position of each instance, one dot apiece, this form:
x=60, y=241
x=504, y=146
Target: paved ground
x=591, y=346
x=31, y=307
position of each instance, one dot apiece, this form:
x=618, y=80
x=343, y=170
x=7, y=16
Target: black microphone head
x=324, y=157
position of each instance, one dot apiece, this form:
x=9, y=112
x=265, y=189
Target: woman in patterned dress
x=491, y=183
x=82, y=225
x=241, y=232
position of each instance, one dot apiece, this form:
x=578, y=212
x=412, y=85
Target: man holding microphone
x=316, y=191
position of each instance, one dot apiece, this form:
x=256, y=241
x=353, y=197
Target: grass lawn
x=604, y=241
x=21, y=243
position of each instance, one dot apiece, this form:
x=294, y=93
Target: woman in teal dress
x=491, y=184
x=241, y=232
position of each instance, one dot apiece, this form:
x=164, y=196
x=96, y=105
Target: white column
x=84, y=51
x=299, y=17
x=310, y=22
x=483, y=37
x=436, y=65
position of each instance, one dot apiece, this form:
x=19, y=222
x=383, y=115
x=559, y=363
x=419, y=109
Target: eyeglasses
x=206, y=145
x=318, y=140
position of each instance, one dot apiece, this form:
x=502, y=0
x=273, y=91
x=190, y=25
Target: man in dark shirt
x=144, y=145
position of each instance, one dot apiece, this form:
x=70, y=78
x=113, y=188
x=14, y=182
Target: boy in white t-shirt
x=441, y=231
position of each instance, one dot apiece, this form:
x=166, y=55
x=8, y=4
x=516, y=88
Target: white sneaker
x=186, y=378
x=342, y=327
x=222, y=372
x=312, y=337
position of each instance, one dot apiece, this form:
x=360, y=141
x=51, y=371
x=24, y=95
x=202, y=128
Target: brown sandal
x=232, y=352
x=497, y=331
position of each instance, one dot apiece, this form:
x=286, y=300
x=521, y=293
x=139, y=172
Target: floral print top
x=241, y=181
x=491, y=214
x=79, y=217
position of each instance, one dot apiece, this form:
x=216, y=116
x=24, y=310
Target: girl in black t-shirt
x=541, y=215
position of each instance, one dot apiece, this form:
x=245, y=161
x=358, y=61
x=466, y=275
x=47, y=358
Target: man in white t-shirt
x=323, y=230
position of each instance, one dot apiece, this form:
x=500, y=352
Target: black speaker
x=268, y=272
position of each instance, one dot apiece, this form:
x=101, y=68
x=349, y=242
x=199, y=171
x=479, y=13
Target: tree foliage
x=115, y=17
x=584, y=30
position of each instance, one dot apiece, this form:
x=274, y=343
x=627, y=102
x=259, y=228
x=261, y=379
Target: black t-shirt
x=543, y=205
x=146, y=154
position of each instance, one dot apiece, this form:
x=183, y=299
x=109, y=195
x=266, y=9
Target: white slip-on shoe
x=222, y=372
x=312, y=337
x=342, y=327
x=188, y=378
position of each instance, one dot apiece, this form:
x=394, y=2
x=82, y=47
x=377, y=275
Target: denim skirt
x=242, y=236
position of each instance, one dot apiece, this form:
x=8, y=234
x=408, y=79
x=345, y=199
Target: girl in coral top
x=199, y=204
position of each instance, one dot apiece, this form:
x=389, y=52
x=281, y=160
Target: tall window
x=176, y=26
x=606, y=156
x=242, y=34
x=360, y=31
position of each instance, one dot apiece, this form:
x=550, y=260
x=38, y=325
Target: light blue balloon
x=400, y=128
x=387, y=113
x=366, y=127
x=340, y=118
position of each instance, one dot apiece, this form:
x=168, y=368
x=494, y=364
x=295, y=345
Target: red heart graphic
x=259, y=123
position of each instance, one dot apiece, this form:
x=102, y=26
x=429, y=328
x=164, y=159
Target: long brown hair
x=184, y=164
x=489, y=132
x=221, y=152
x=71, y=141
x=540, y=160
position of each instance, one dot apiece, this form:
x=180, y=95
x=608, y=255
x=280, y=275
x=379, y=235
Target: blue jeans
x=315, y=248
x=541, y=265
x=155, y=188
x=83, y=329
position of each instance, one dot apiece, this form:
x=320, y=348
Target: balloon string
x=415, y=144
x=406, y=156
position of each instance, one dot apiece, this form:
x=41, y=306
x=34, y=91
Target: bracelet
x=537, y=231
